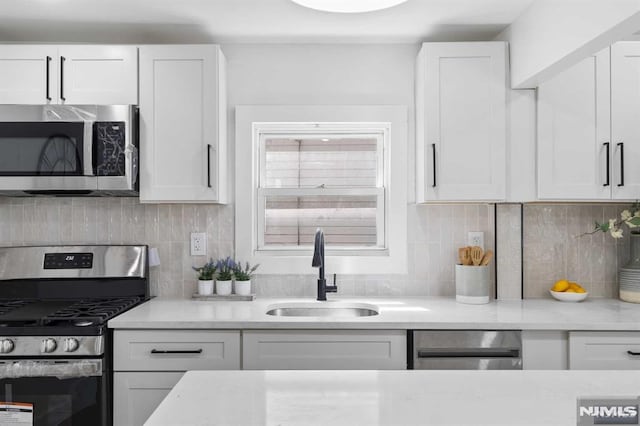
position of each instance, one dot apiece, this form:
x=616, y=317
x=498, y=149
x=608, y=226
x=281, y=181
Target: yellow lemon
x=570, y=290
x=561, y=285
x=574, y=286
x=581, y=290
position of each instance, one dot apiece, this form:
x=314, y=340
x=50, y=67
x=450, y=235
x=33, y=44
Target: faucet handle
x=332, y=288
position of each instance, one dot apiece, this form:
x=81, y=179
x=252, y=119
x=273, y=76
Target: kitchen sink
x=323, y=309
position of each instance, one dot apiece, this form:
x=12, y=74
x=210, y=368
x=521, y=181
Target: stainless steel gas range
x=55, y=348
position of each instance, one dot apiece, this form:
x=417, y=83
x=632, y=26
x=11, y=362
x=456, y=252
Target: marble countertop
x=394, y=313
x=387, y=397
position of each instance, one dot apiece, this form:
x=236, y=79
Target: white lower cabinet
x=148, y=363
x=136, y=395
x=611, y=350
x=324, y=350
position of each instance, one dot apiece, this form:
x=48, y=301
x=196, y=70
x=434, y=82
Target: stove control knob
x=49, y=345
x=6, y=346
x=71, y=344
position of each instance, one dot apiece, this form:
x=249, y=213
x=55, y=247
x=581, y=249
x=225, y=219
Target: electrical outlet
x=198, y=244
x=476, y=238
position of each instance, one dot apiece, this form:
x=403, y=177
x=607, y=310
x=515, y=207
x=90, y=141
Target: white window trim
x=391, y=260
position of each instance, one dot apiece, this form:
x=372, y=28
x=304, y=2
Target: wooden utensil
x=466, y=255
x=461, y=256
x=486, y=258
x=476, y=255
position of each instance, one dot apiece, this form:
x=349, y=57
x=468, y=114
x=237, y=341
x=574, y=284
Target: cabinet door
x=137, y=395
x=28, y=75
x=461, y=121
x=613, y=350
x=625, y=131
x=182, y=124
x=324, y=350
x=98, y=75
x=574, y=132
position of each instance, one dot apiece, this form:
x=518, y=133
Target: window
x=323, y=175
x=341, y=168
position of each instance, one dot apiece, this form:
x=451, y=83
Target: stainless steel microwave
x=69, y=150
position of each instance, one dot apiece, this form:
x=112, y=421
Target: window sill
x=272, y=263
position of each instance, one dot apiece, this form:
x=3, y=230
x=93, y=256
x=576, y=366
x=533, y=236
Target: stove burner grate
x=92, y=311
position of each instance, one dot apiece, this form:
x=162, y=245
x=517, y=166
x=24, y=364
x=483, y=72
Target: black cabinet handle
x=433, y=152
x=633, y=353
x=194, y=351
x=62, y=59
x=607, y=144
x=621, y=146
x=48, y=95
x=209, y=165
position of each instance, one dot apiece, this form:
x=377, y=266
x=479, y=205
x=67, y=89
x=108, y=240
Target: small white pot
x=205, y=287
x=243, y=288
x=223, y=288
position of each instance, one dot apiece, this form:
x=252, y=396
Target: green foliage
x=206, y=271
x=244, y=273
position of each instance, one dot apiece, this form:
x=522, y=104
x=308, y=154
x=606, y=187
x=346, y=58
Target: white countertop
x=394, y=313
x=386, y=397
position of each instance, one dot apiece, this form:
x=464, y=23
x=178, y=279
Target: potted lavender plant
x=225, y=275
x=243, y=278
x=205, y=277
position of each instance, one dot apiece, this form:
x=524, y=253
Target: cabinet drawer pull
x=62, y=59
x=433, y=152
x=607, y=144
x=633, y=353
x=209, y=165
x=48, y=95
x=161, y=352
x=621, y=146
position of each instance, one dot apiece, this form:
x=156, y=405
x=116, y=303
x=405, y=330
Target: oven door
x=60, y=392
x=46, y=156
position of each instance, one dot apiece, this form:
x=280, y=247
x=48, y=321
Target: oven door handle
x=62, y=369
x=469, y=353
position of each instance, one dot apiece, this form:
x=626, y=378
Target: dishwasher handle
x=469, y=353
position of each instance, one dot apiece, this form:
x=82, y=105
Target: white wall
x=319, y=74
x=552, y=35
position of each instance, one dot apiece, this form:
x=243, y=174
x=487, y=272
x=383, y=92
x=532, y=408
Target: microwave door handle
x=131, y=161
x=88, y=150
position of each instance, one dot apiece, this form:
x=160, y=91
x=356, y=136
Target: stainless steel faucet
x=318, y=262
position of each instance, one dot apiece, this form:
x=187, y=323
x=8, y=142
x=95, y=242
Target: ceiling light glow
x=348, y=6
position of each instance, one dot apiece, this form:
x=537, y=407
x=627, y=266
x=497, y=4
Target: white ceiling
x=164, y=21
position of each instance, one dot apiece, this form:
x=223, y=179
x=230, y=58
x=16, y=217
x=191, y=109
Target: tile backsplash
x=554, y=249
x=32, y=221
x=551, y=249
x=435, y=233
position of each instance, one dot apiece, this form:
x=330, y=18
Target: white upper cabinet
x=182, y=124
x=574, y=131
x=28, y=74
x=80, y=74
x=625, y=120
x=588, y=128
x=102, y=75
x=461, y=122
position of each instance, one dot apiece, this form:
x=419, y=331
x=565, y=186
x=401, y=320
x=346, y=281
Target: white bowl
x=568, y=297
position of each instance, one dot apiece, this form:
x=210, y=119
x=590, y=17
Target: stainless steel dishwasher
x=464, y=350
